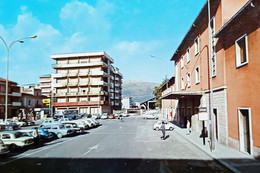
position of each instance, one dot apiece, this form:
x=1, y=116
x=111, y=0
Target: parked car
x=6, y=127
x=9, y=125
x=44, y=133
x=15, y=139
x=168, y=125
x=96, y=116
x=104, y=116
x=59, y=130
x=16, y=122
x=49, y=122
x=3, y=148
x=149, y=116
x=73, y=126
x=111, y=116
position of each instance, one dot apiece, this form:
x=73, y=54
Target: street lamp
x=165, y=63
x=7, y=66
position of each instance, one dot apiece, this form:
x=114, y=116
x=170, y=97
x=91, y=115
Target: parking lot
x=128, y=146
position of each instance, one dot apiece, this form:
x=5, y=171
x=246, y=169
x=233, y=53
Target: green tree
x=158, y=93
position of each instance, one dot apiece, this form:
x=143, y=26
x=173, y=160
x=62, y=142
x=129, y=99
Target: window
x=196, y=44
x=188, y=55
x=241, y=51
x=182, y=83
x=188, y=79
x=197, y=75
x=182, y=62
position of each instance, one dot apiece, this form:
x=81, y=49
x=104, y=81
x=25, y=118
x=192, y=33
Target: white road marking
x=95, y=147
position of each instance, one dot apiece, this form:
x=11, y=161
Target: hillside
x=138, y=90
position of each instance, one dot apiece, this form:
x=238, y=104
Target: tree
x=158, y=93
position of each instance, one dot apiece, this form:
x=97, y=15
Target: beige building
x=45, y=84
x=87, y=82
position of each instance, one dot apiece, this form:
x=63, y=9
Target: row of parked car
x=47, y=130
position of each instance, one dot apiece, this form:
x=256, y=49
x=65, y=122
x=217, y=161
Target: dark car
x=44, y=133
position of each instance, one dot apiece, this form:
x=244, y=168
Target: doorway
x=245, y=134
x=215, y=113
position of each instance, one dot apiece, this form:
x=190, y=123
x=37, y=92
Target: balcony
x=15, y=94
x=16, y=103
x=78, y=65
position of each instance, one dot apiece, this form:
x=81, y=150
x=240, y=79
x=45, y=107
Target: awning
x=182, y=94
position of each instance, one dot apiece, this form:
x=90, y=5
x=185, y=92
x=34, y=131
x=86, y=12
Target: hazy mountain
x=139, y=90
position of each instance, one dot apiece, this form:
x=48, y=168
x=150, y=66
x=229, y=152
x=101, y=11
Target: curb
x=221, y=162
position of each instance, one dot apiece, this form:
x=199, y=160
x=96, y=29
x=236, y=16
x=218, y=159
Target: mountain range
x=139, y=91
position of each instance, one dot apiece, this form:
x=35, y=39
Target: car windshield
x=62, y=126
x=18, y=134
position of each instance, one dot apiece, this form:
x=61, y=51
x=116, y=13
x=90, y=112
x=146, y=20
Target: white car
x=168, y=125
x=60, y=130
x=3, y=148
x=150, y=116
x=15, y=139
x=104, y=116
x=49, y=122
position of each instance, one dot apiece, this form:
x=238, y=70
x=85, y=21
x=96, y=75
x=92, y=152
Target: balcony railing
x=79, y=65
x=16, y=103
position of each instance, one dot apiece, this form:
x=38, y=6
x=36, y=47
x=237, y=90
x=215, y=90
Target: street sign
x=203, y=116
x=46, y=100
x=203, y=109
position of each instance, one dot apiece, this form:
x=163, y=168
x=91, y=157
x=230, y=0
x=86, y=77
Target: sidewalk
x=234, y=160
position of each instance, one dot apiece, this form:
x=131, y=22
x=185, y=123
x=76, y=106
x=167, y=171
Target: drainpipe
x=212, y=134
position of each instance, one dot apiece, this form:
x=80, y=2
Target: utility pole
x=212, y=129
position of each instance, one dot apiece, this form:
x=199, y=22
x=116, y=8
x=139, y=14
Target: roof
x=81, y=54
x=248, y=14
x=3, y=80
x=182, y=94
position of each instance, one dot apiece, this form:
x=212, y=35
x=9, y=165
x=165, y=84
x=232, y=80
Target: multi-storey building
x=45, y=84
x=87, y=82
x=14, y=99
x=213, y=74
x=32, y=98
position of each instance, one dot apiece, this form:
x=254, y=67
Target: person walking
x=188, y=127
x=36, y=137
x=163, y=130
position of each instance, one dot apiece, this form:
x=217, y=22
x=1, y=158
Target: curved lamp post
x=8, y=47
x=165, y=63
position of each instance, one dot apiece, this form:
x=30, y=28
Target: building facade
x=45, y=84
x=14, y=99
x=168, y=105
x=32, y=99
x=215, y=83
x=87, y=82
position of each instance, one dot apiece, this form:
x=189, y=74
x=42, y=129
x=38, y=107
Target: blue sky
x=130, y=31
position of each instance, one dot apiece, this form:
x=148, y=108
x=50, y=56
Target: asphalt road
x=129, y=146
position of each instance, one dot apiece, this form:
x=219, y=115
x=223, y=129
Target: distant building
x=32, y=99
x=87, y=82
x=45, y=84
x=14, y=98
x=127, y=103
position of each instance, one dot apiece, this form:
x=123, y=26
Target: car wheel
x=157, y=128
x=171, y=129
x=12, y=147
x=59, y=135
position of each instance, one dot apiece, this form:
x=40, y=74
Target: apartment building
x=45, y=83
x=87, y=82
x=216, y=68
x=14, y=98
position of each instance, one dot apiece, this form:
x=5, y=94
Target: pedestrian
x=163, y=130
x=36, y=137
x=188, y=127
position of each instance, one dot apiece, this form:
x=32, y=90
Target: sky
x=140, y=35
